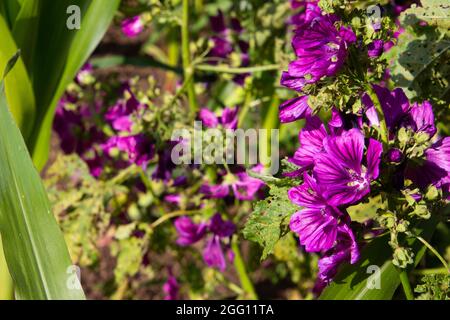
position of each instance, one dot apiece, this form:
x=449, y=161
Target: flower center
x=357, y=180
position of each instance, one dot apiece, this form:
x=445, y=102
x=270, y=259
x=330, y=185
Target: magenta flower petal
x=340, y=171
x=171, y=288
x=436, y=167
x=317, y=228
x=375, y=48
x=309, y=194
x=208, y=118
x=215, y=191
x=188, y=231
x=311, y=139
x=294, y=109
x=132, y=27
x=346, y=250
x=220, y=227
x=246, y=187
x=422, y=118
x=213, y=254
x=347, y=148
x=374, y=151
x=229, y=118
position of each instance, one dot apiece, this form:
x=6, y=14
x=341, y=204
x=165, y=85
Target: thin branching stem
x=244, y=278
x=186, y=57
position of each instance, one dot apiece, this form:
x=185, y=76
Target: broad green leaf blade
x=58, y=55
x=6, y=284
x=434, y=12
x=19, y=91
x=26, y=28
x=9, y=10
x=351, y=283
x=34, y=247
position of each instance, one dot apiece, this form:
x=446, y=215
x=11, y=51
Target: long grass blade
x=34, y=247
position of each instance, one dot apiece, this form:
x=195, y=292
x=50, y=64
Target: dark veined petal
x=208, y=118
x=348, y=148
x=311, y=138
x=374, y=151
x=220, y=227
x=213, y=254
x=292, y=82
x=188, y=231
x=316, y=228
x=422, y=118
x=294, y=109
x=309, y=194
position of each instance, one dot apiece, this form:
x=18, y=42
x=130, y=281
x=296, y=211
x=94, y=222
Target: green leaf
x=9, y=10
x=351, y=283
x=434, y=12
x=269, y=220
x=19, y=91
x=34, y=247
x=26, y=28
x=418, y=64
x=54, y=54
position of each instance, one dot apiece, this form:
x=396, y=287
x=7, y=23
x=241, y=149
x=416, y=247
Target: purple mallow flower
x=132, y=27
x=308, y=11
x=228, y=119
x=434, y=167
x=344, y=250
x=244, y=187
x=171, y=288
x=218, y=231
x=341, y=170
x=188, y=231
x=225, y=43
x=120, y=115
x=375, y=48
x=338, y=168
x=138, y=148
x=321, y=50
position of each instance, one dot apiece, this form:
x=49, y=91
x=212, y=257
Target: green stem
x=431, y=271
x=227, y=69
x=271, y=121
x=246, y=283
x=244, y=111
x=406, y=285
x=186, y=55
x=430, y=247
x=172, y=215
x=383, y=127
x=173, y=52
x=198, y=6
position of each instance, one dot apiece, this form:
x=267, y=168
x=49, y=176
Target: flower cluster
x=108, y=141
x=219, y=232
x=338, y=167
x=227, y=44
x=418, y=153
x=321, y=47
x=340, y=162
